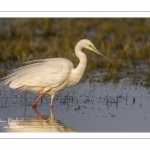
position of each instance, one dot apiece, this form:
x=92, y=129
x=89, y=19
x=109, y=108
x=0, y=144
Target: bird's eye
x=91, y=46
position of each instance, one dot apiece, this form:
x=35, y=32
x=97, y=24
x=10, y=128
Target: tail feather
x=17, y=75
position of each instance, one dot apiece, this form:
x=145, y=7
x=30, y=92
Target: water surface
x=86, y=107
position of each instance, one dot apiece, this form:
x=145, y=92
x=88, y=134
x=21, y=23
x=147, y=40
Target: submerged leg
x=52, y=99
x=34, y=103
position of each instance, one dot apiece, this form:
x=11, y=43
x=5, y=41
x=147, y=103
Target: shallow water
x=86, y=107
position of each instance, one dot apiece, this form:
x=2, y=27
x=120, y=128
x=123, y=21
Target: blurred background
x=124, y=41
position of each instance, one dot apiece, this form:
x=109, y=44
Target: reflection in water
x=40, y=124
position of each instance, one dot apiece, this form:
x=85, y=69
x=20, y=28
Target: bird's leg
x=34, y=103
x=52, y=99
x=51, y=104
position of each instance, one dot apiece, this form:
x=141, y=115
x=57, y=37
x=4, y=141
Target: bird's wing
x=46, y=73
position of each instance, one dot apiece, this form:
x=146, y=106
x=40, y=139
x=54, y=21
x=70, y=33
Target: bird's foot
x=34, y=105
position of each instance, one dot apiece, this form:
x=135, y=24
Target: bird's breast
x=74, y=78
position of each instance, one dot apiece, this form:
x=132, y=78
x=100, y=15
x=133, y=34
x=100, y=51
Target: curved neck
x=83, y=60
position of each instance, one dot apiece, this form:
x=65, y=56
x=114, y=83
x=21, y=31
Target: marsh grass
x=125, y=42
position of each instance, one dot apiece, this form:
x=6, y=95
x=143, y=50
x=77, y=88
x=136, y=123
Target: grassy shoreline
x=124, y=41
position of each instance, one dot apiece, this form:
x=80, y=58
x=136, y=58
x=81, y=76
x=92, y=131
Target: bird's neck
x=83, y=60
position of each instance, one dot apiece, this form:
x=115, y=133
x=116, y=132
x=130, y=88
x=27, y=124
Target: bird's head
x=90, y=46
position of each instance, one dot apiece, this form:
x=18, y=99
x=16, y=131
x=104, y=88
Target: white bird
x=49, y=76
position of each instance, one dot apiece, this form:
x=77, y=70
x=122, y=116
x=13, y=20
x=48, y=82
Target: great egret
x=49, y=76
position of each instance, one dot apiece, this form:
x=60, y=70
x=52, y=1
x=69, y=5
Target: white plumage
x=49, y=76
x=42, y=75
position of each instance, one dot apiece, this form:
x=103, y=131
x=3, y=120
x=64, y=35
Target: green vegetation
x=125, y=42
